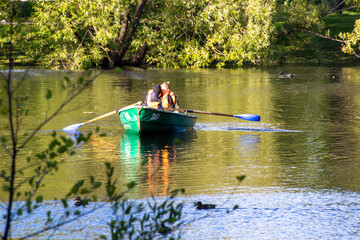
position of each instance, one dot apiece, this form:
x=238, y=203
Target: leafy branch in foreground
x=132, y=220
x=23, y=184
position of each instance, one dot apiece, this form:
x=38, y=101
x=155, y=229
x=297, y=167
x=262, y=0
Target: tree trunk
x=126, y=34
x=140, y=55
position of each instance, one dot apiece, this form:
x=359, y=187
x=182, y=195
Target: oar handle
x=248, y=117
x=100, y=117
x=74, y=127
x=107, y=114
x=200, y=112
x=210, y=113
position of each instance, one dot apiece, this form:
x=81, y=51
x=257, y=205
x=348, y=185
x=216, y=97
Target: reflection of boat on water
x=151, y=156
x=135, y=149
x=141, y=119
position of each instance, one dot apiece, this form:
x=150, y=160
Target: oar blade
x=73, y=127
x=248, y=117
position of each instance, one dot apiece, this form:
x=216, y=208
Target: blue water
x=273, y=214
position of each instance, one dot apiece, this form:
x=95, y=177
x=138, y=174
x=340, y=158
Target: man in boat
x=169, y=99
x=153, y=97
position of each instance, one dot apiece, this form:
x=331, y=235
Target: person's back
x=152, y=98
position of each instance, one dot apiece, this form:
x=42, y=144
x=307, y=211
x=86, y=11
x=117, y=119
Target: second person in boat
x=168, y=99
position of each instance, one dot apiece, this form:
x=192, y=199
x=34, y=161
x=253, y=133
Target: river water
x=301, y=161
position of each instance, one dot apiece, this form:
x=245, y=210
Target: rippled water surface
x=301, y=160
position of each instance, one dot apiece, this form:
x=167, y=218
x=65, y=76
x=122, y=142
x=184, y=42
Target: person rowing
x=153, y=97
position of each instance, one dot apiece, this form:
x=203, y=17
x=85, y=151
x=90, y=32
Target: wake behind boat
x=142, y=119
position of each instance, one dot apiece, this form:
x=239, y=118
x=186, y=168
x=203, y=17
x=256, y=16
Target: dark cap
x=157, y=88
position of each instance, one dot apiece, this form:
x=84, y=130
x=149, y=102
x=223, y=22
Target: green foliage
x=79, y=34
x=132, y=220
x=179, y=33
x=23, y=184
x=203, y=34
x=290, y=42
x=22, y=10
x=83, y=34
x=351, y=40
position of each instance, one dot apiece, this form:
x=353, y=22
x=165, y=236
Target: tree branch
x=318, y=35
x=71, y=97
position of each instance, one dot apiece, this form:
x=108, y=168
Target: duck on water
x=289, y=75
x=200, y=205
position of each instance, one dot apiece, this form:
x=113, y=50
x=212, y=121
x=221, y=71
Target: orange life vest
x=166, y=101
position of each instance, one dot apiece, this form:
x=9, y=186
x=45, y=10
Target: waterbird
x=290, y=75
x=199, y=205
x=78, y=202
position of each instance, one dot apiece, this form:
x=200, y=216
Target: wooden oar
x=248, y=117
x=74, y=127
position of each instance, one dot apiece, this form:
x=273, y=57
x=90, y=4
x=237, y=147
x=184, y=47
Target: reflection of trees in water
x=156, y=153
x=103, y=149
x=158, y=161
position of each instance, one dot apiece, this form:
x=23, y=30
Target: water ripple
x=239, y=127
x=272, y=215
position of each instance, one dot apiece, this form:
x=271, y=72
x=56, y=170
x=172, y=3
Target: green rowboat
x=142, y=120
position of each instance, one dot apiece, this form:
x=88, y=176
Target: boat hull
x=141, y=120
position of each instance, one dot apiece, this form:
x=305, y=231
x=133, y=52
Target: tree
x=203, y=33
x=80, y=34
x=176, y=33
x=88, y=32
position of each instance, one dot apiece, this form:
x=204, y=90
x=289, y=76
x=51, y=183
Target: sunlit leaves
x=351, y=40
x=202, y=34
x=179, y=33
x=79, y=32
